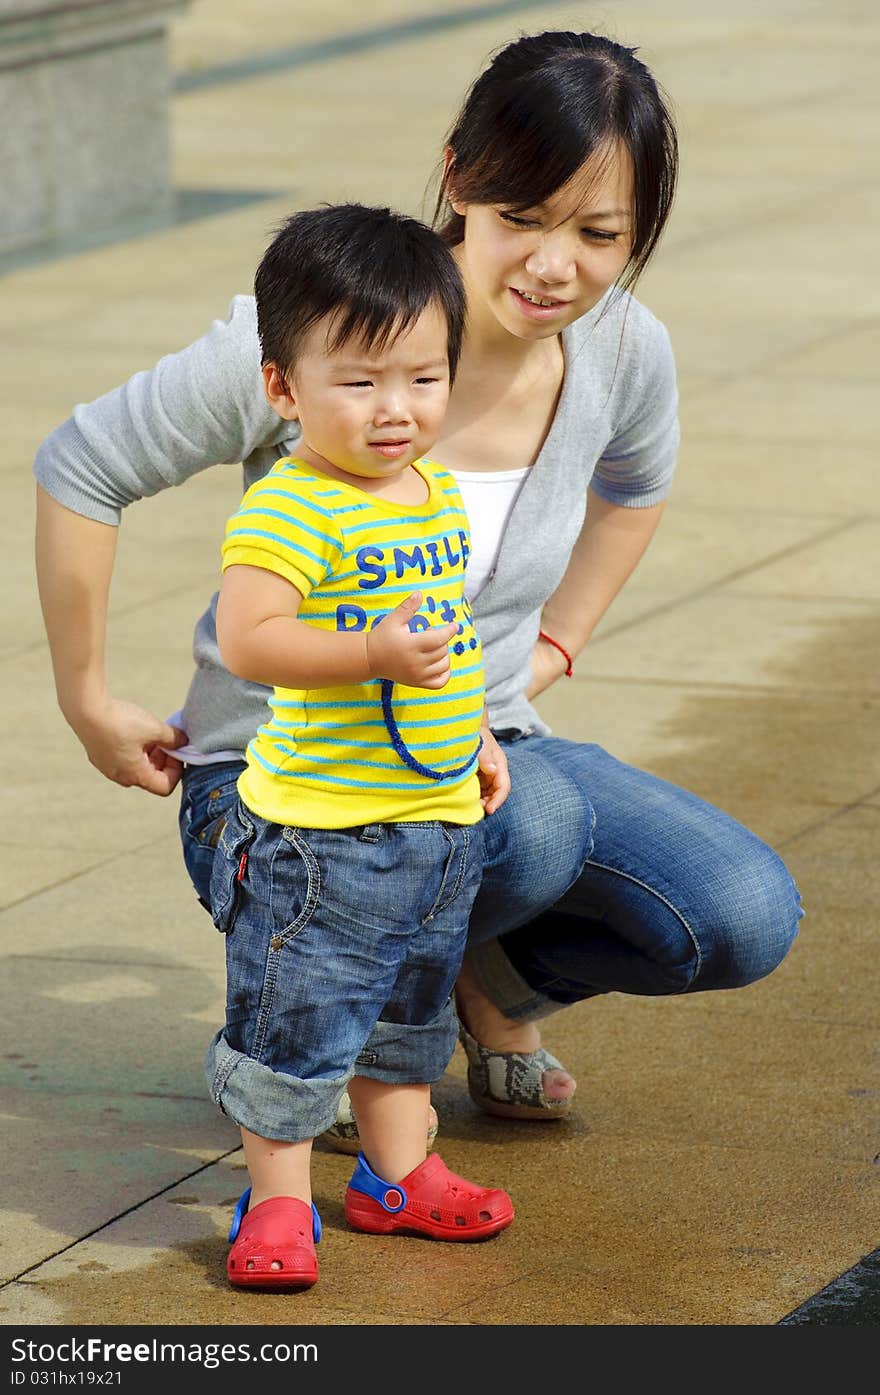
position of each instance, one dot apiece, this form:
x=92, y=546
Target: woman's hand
x=74, y=557
x=493, y=773
x=125, y=743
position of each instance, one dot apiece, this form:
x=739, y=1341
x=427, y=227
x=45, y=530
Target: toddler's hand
x=493, y=773
x=418, y=658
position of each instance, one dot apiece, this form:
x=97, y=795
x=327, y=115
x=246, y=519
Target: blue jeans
x=342, y=950
x=598, y=878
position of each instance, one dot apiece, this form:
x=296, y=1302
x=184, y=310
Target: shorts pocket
x=203, y=816
x=229, y=863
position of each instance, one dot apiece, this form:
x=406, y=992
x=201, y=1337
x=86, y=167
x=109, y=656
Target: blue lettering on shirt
x=402, y=560
x=369, y=561
x=353, y=613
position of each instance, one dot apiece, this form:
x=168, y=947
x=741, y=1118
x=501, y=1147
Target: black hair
x=373, y=272
x=547, y=103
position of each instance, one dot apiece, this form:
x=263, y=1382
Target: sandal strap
x=512, y=1076
x=242, y=1209
x=390, y=1195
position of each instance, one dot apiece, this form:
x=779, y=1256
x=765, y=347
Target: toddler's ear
x=278, y=392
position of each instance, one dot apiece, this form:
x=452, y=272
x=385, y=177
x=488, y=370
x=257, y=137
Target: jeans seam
x=313, y=887
x=277, y=942
x=637, y=881
x=440, y=905
x=221, y=1077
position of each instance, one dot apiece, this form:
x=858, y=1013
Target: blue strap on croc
x=365, y=1180
x=241, y=1212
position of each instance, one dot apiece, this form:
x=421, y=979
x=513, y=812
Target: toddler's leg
x=275, y=1226
x=277, y=1168
x=392, y=1124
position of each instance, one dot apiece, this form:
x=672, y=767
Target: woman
x=559, y=175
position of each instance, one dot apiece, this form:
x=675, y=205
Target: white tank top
x=489, y=497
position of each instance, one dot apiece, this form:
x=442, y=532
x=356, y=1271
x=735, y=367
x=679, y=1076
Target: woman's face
x=534, y=271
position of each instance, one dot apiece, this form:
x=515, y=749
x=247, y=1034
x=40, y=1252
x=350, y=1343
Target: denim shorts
x=342, y=950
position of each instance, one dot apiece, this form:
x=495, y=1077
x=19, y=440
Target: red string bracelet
x=542, y=634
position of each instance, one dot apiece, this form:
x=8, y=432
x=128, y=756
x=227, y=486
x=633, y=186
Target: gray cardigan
x=615, y=430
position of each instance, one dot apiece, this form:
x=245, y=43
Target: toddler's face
x=369, y=413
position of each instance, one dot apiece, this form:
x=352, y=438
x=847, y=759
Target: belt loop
x=371, y=833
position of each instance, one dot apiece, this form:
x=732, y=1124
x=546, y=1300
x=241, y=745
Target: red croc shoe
x=281, y=1231
x=430, y=1200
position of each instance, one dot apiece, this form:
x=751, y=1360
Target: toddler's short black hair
x=372, y=271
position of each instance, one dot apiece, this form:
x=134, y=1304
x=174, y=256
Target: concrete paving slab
x=851, y=352
x=789, y=409
x=728, y=286
x=843, y=564
x=841, y=852
x=823, y=478
x=725, y=347
x=134, y=906
x=836, y=982
x=618, y=1248
x=751, y=641
x=701, y=547
x=709, y=203
x=801, y=1103
x=87, y=821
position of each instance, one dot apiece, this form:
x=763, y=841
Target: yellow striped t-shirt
x=367, y=752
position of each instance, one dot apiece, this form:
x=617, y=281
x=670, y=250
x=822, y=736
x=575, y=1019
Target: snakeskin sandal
x=508, y=1083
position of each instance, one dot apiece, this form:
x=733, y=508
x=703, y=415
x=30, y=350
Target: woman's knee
x=750, y=924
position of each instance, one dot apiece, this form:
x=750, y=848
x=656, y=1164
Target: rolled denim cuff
x=269, y=1102
x=506, y=988
x=398, y=1053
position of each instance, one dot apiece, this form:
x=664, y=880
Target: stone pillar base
x=84, y=96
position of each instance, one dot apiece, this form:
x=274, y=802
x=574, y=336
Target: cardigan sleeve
x=201, y=406
x=637, y=465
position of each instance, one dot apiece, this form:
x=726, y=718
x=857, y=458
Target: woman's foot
x=509, y=1073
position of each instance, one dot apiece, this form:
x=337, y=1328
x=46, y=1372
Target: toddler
x=345, y=876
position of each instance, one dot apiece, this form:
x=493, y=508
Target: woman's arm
x=609, y=548
x=199, y=407
x=626, y=498
x=74, y=560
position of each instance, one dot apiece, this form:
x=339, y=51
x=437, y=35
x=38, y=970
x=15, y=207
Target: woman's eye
x=427, y=380
x=597, y=235
x=517, y=222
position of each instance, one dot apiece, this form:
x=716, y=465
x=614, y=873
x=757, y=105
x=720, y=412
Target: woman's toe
x=558, y=1084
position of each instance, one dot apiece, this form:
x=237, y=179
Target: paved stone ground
x=721, y=1165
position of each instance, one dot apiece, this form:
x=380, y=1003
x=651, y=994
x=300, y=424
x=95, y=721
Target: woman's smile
x=536, y=307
